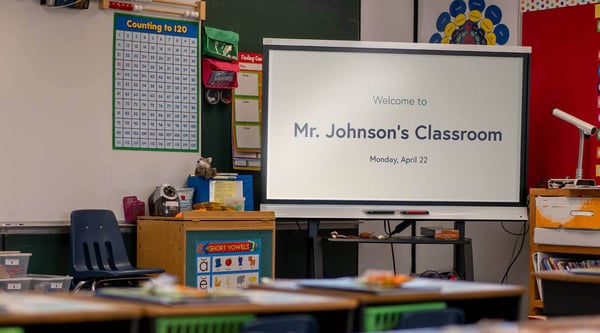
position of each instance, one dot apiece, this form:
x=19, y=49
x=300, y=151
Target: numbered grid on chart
x=155, y=91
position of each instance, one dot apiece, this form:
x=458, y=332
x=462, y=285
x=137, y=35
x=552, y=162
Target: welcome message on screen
x=388, y=127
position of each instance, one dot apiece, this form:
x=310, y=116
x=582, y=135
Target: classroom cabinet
x=563, y=247
x=209, y=250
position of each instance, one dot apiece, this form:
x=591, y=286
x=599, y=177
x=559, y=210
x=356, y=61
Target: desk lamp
x=585, y=131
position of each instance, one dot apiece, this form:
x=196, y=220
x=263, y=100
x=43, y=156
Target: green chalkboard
x=310, y=19
x=253, y=21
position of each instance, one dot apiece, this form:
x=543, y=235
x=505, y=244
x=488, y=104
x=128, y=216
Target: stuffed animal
x=203, y=168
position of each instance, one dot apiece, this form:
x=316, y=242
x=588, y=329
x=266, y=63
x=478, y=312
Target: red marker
x=414, y=212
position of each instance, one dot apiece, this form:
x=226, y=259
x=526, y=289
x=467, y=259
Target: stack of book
x=440, y=232
x=543, y=261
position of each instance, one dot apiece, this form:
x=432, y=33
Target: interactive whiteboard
x=401, y=125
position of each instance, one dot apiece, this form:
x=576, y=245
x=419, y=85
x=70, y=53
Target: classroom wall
x=494, y=243
x=56, y=128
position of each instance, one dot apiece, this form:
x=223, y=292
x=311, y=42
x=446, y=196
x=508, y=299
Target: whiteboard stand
x=463, y=251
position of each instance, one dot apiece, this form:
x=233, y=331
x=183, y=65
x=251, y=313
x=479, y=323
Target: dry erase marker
x=378, y=212
x=414, y=212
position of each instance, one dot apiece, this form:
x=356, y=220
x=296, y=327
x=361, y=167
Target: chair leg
x=100, y=283
x=80, y=285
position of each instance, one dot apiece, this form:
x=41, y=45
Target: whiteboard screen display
x=394, y=123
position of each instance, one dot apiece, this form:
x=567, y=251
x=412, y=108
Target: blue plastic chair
x=298, y=323
x=97, y=251
x=432, y=318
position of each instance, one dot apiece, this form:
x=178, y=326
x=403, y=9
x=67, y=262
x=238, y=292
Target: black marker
x=388, y=212
x=414, y=212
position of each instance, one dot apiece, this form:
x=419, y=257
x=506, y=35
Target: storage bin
x=13, y=265
x=11, y=329
x=567, y=212
x=218, y=74
x=49, y=283
x=15, y=284
x=216, y=323
x=220, y=44
x=387, y=317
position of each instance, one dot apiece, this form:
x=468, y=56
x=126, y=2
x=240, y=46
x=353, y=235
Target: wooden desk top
x=18, y=308
x=23, y=308
x=447, y=291
x=261, y=301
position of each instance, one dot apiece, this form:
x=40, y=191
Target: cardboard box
x=567, y=212
x=440, y=232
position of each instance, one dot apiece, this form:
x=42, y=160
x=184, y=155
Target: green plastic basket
x=202, y=324
x=387, y=317
x=12, y=330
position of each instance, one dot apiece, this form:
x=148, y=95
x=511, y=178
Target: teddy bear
x=203, y=168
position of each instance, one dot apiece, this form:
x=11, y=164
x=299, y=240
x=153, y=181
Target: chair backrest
x=96, y=242
x=432, y=318
x=299, y=323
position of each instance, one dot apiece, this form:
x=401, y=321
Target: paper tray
x=352, y=284
x=142, y=295
x=587, y=271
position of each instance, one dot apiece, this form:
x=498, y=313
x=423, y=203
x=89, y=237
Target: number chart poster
x=227, y=264
x=155, y=84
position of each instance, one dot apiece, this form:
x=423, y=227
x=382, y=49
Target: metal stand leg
x=463, y=255
x=315, y=251
x=413, y=249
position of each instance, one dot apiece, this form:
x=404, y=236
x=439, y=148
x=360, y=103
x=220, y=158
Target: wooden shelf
x=536, y=305
x=463, y=253
x=402, y=240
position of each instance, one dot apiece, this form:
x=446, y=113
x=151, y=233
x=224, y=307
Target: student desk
x=62, y=312
x=568, y=294
x=334, y=314
x=555, y=325
x=479, y=300
x=68, y=312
